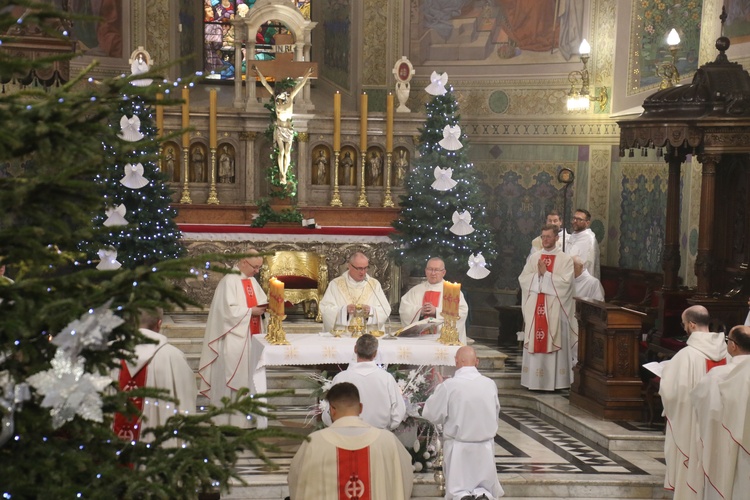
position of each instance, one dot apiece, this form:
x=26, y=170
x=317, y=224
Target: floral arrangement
x=418, y=436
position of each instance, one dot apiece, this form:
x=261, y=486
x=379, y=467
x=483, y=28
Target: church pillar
x=299, y=55
x=250, y=103
x=303, y=167
x=670, y=263
x=704, y=259
x=240, y=31
x=249, y=193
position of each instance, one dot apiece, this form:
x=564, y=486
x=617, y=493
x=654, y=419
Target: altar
x=322, y=348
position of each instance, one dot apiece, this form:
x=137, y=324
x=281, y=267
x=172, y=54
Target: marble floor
x=544, y=449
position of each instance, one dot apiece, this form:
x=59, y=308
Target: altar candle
x=277, y=296
x=159, y=115
x=363, y=124
x=212, y=118
x=451, y=297
x=337, y=121
x=185, y=117
x=389, y=123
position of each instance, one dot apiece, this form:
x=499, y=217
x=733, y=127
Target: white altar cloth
x=318, y=349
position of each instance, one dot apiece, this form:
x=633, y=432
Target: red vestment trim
x=431, y=297
x=541, y=326
x=129, y=428
x=252, y=301
x=713, y=364
x=354, y=473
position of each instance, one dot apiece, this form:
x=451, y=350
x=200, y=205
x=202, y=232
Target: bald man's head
x=466, y=356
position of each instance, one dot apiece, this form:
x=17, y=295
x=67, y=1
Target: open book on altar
x=427, y=326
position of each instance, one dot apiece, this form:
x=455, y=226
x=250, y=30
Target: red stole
x=541, y=326
x=252, y=301
x=713, y=364
x=353, y=474
x=129, y=428
x=431, y=297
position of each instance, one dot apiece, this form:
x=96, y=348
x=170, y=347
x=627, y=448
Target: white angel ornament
x=131, y=128
x=116, y=216
x=134, y=176
x=477, y=269
x=437, y=84
x=451, y=136
x=443, y=179
x=462, y=223
x=108, y=259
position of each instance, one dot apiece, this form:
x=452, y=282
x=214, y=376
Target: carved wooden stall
x=606, y=376
x=710, y=119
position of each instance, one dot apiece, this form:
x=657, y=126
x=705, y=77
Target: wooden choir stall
x=606, y=381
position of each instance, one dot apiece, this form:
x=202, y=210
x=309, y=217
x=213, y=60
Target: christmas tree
x=66, y=325
x=135, y=189
x=428, y=214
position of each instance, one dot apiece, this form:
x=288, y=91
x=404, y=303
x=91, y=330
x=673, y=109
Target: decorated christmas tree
x=443, y=214
x=65, y=325
x=138, y=221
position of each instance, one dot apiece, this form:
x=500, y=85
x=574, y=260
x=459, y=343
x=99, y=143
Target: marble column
x=303, y=168
x=250, y=192
x=240, y=30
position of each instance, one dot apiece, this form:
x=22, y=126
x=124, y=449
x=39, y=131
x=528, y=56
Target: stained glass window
x=219, y=37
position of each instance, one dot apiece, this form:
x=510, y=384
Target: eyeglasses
x=729, y=339
x=579, y=219
x=360, y=269
x=434, y=270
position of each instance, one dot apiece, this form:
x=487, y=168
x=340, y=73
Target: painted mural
x=651, y=22
x=496, y=31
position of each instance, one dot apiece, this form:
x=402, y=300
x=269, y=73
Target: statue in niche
x=226, y=165
x=321, y=168
x=347, y=168
x=198, y=164
x=169, y=158
x=401, y=167
x=376, y=168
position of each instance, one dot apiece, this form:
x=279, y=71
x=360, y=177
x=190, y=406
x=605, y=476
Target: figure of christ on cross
x=283, y=135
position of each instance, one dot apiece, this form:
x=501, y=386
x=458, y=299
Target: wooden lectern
x=606, y=378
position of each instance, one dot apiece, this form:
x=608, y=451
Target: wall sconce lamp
x=580, y=99
x=668, y=70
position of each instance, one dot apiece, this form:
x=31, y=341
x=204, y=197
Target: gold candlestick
x=336, y=198
x=213, y=199
x=362, y=202
x=449, y=332
x=276, y=334
x=387, y=200
x=185, y=188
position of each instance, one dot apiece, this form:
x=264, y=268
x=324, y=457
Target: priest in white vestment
x=553, y=217
x=719, y=466
x=550, y=327
x=157, y=365
x=586, y=286
x=426, y=299
x=704, y=351
x=582, y=242
x=354, y=287
x=350, y=459
x=383, y=403
x=235, y=314
x=467, y=407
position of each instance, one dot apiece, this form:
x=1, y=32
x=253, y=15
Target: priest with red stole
x=350, y=459
x=704, y=351
x=426, y=299
x=156, y=365
x=235, y=314
x=550, y=327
